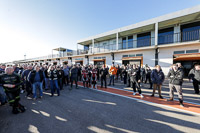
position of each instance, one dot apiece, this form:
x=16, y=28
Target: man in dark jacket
x=60, y=77
x=194, y=77
x=25, y=79
x=79, y=73
x=103, y=74
x=36, y=78
x=175, y=77
x=135, y=80
x=11, y=82
x=157, y=77
x=128, y=75
x=74, y=76
x=148, y=76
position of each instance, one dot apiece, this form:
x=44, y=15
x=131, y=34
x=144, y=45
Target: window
x=139, y=54
x=130, y=42
x=124, y=43
x=166, y=36
x=144, y=39
x=192, y=51
x=124, y=55
x=104, y=57
x=114, y=42
x=179, y=52
x=95, y=57
x=86, y=47
x=190, y=32
x=131, y=55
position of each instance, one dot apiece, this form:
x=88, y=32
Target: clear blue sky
x=35, y=27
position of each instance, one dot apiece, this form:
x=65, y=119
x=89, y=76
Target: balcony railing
x=137, y=43
x=179, y=37
x=105, y=48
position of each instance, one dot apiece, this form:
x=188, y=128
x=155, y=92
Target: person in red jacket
x=94, y=78
x=84, y=77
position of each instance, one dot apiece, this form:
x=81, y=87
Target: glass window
x=124, y=43
x=166, y=36
x=131, y=55
x=192, y=51
x=95, y=57
x=144, y=39
x=179, y=52
x=124, y=55
x=139, y=54
x=190, y=32
x=130, y=42
x=86, y=47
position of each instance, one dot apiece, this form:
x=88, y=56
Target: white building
x=163, y=40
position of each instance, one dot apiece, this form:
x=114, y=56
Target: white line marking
x=143, y=101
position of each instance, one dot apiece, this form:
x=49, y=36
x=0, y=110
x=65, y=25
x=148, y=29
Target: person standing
x=47, y=84
x=194, y=77
x=143, y=74
x=74, y=76
x=60, y=77
x=11, y=82
x=112, y=72
x=175, y=77
x=103, y=74
x=25, y=75
x=84, y=77
x=135, y=80
x=79, y=73
x=53, y=78
x=94, y=78
x=124, y=74
x=128, y=75
x=157, y=77
x=66, y=75
x=148, y=77
x=36, y=78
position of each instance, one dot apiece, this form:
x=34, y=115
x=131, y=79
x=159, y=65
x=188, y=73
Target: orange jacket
x=113, y=71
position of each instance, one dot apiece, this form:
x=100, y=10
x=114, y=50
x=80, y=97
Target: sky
x=35, y=27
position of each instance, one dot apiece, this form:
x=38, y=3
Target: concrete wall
x=165, y=57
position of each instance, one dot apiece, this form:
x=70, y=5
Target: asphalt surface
x=188, y=90
x=89, y=111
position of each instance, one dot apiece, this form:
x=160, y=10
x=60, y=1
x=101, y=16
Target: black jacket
x=175, y=78
x=60, y=74
x=32, y=74
x=53, y=75
x=74, y=72
x=135, y=74
x=157, y=77
x=13, y=79
x=103, y=72
x=194, y=75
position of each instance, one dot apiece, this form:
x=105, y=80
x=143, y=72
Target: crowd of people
x=30, y=78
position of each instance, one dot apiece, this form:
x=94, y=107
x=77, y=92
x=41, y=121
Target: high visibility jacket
x=113, y=71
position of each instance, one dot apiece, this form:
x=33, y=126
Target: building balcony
x=180, y=37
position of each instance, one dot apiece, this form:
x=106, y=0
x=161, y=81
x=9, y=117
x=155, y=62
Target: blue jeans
x=2, y=95
x=39, y=85
x=54, y=85
x=112, y=77
x=47, y=85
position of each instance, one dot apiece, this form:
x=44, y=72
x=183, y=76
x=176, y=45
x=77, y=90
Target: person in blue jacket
x=157, y=77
